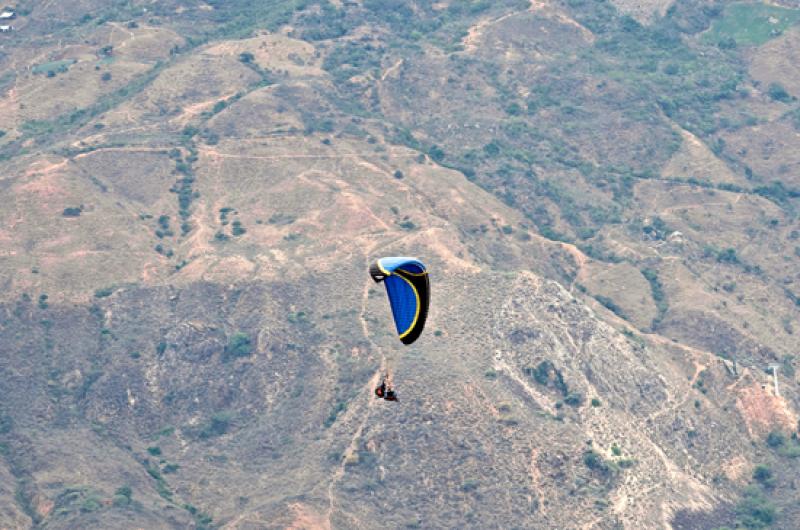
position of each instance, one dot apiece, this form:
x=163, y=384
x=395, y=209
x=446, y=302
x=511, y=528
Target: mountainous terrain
x=607, y=196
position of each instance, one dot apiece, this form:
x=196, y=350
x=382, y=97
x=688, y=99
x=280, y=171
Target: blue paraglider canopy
x=407, y=286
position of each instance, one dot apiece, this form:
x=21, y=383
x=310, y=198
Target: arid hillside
x=606, y=195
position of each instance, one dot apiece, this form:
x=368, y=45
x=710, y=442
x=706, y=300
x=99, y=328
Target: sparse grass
x=80, y=117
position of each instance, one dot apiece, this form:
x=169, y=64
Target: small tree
x=763, y=475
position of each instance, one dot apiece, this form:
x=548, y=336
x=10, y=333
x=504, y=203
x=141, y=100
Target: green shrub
x=728, y=255
x=763, y=474
x=470, y=485
x=72, y=211
x=776, y=439
x=755, y=511
x=574, y=399
x=120, y=501
x=598, y=464
x=125, y=491
x=777, y=92
x=90, y=504
x=609, y=304
x=216, y=426
x=544, y=373
x=239, y=345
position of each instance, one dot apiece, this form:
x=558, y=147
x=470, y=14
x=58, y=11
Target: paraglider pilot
x=385, y=390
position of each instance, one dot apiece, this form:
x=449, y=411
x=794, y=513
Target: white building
x=7, y=15
x=6, y=29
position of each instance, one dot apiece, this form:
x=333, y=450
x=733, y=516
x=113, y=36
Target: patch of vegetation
x=574, y=399
x=72, y=211
x=407, y=224
x=281, y=219
x=777, y=92
x=103, y=293
x=297, y=317
x=609, y=304
x=162, y=487
x=183, y=188
x=216, y=426
x=77, y=499
x=349, y=59
x=202, y=520
x=237, y=228
x=56, y=67
x=764, y=476
x=777, y=192
x=340, y=407
x=595, y=461
x=470, y=485
x=239, y=345
x=546, y=374
x=6, y=424
x=751, y=24
x=659, y=296
x=754, y=511
x=123, y=496
x=787, y=447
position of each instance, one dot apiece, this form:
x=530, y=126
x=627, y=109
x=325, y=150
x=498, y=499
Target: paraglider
x=408, y=289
